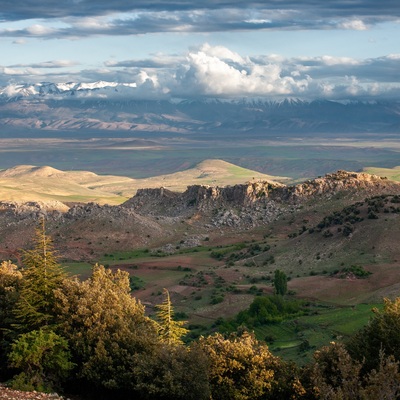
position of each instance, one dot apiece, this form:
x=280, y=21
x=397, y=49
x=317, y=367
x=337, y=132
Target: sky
x=309, y=49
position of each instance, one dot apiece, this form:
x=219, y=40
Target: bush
x=43, y=356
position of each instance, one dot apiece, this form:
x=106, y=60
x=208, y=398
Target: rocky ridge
x=154, y=216
x=269, y=198
x=256, y=194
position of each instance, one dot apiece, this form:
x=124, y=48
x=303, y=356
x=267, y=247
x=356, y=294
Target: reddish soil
x=384, y=282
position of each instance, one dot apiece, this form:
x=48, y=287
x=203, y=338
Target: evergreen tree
x=280, y=282
x=42, y=275
x=169, y=330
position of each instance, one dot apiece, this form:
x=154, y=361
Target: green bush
x=43, y=357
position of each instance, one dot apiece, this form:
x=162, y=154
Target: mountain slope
x=112, y=106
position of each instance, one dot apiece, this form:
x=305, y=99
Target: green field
x=294, y=339
x=297, y=339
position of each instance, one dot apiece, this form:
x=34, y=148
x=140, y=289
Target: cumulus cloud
x=218, y=71
x=354, y=24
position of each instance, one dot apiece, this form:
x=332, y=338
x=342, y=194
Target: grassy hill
x=391, y=173
x=31, y=183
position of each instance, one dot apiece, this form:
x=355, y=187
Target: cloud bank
x=32, y=9
x=216, y=71
x=83, y=18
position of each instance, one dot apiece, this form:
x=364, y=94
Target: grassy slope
x=28, y=183
x=390, y=173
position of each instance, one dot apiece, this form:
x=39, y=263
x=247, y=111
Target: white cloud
x=354, y=24
x=218, y=71
x=329, y=60
x=221, y=52
x=39, y=30
x=211, y=72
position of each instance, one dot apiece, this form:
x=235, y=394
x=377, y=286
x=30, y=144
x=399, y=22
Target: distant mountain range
x=111, y=106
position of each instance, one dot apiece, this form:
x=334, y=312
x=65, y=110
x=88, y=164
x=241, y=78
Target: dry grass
x=30, y=183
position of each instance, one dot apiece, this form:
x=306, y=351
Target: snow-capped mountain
x=49, y=89
x=111, y=106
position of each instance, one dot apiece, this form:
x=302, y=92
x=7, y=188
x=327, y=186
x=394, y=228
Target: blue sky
x=336, y=49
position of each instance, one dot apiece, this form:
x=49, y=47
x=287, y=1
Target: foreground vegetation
x=95, y=339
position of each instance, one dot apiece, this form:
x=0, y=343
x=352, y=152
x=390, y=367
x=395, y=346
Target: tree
x=334, y=374
x=42, y=275
x=43, y=357
x=107, y=329
x=382, y=333
x=173, y=373
x=10, y=283
x=280, y=282
x=169, y=330
x=383, y=383
x=238, y=366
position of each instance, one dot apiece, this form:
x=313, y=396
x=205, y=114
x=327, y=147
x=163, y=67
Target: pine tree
x=169, y=330
x=41, y=276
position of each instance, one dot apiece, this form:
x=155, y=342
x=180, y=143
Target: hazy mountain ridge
x=110, y=106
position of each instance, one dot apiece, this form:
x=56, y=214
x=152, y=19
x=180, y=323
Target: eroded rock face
x=332, y=184
x=34, y=209
x=256, y=193
x=243, y=205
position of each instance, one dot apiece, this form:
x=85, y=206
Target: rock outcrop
x=257, y=193
x=243, y=205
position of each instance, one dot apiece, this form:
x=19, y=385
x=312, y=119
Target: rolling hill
x=30, y=183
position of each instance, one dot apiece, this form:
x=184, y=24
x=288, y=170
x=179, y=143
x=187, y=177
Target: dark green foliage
x=43, y=359
x=336, y=375
x=280, y=282
x=42, y=275
x=347, y=229
x=354, y=270
x=264, y=310
x=135, y=283
x=10, y=283
x=173, y=373
x=382, y=333
x=357, y=212
x=218, y=255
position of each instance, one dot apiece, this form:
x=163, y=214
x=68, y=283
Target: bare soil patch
x=384, y=282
